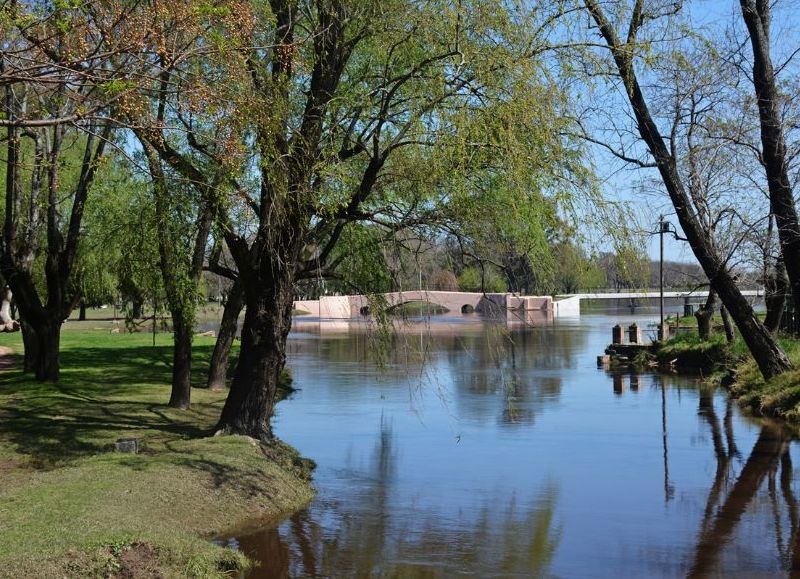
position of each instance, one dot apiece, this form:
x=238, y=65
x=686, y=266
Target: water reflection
x=727, y=503
x=496, y=452
x=516, y=538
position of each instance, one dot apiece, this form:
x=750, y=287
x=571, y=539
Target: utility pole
x=661, y=228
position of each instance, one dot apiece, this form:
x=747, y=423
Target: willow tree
x=63, y=71
x=185, y=97
x=391, y=115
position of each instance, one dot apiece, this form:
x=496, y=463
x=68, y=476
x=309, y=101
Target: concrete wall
x=335, y=307
x=567, y=307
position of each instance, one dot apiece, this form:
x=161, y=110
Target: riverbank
x=778, y=397
x=72, y=506
x=731, y=366
x=685, y=353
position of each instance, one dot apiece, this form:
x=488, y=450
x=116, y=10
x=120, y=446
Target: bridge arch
x=417, y=306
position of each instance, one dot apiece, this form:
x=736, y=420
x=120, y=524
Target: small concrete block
x=128, y=445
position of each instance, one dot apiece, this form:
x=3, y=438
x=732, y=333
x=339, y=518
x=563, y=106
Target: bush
x=470, y=281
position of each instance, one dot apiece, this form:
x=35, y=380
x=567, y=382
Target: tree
x=37, y=206
x=181, y=242
x=185, y=49
x=484, y=279
x=64, y=70
x=444, y=280
x=574, y=270
x=395, y=115
x=765, y=350
x=757, y=17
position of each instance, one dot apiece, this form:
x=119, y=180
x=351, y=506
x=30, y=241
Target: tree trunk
x=48, y=338
x=42, y=342
x=136, y=309
x=768, y=355
x=775, y=287
x=218, y=369
x=704, y=316
x=31, y=345
x=175, y=265
x=726, y=323
x=262, y=356
x=181, y=362
x=82, y=311
x=773, y=143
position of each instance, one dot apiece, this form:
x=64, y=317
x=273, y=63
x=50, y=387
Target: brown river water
x=481, y=450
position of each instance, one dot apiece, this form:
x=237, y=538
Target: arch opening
x=467, y=309
x=417, y=308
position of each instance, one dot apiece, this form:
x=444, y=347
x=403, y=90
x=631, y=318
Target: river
x=474, y=449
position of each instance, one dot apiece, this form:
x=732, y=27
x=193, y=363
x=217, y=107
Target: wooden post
x=634, y=333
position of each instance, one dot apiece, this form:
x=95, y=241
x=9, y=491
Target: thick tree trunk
x=82, y=311
x=31, y=345
x=181, y=363
x=757, y=17
x=218, y=369
x=42, y=342
x=262, y=356
x=46, y=364
x=704, y=316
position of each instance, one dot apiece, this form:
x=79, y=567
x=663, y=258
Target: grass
x=71, y=506
x=778, y=397
x=689, y=351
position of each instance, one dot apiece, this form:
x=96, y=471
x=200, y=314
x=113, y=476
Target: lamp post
x=663, y=227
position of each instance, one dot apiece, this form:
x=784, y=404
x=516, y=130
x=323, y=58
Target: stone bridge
x=457, y=303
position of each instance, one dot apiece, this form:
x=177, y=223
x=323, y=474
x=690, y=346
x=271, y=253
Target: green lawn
x=71, y=506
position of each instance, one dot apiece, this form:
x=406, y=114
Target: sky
x=623, y=184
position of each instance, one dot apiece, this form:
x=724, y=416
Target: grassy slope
x=71, y=506
x=690, y=352
x=778, y=397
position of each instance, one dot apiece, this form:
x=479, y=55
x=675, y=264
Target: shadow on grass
x=105, y=393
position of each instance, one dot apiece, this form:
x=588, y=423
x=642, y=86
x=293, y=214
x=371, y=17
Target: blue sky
x=624, y=184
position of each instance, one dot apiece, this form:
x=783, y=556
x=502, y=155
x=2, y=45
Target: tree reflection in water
x=368, y=540
x=730, y=500
x=495, y=372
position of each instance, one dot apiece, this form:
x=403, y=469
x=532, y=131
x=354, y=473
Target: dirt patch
x=131, y=561
x=140, y=560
